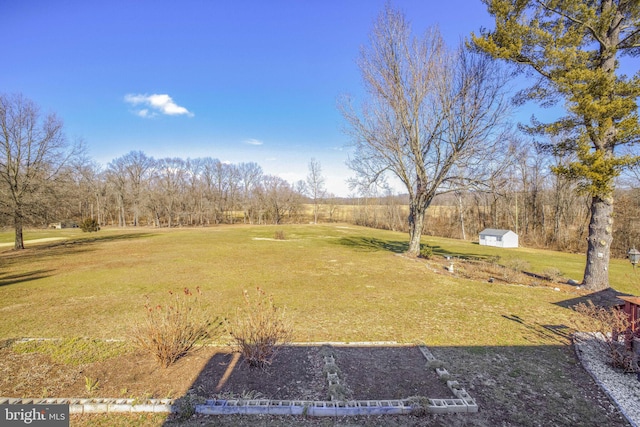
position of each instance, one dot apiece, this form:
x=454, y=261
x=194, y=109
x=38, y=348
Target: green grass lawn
x=337, y=282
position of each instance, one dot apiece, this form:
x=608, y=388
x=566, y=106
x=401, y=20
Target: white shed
x=499, y=238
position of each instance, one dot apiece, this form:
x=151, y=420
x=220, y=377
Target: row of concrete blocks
x=449, y=405
x=275, y=407
x=99, y=406
x=328, y=408
x=331, y=378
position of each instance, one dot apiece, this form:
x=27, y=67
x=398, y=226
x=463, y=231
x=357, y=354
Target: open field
x=338, y=283
x=507, y=342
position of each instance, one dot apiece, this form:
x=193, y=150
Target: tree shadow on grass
x=43, y=251
x=63, y=247
x=605, y=298
x=371, y=244
x=445, y=253
x=11, y=279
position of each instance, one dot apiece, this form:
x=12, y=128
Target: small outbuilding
x=498, y=238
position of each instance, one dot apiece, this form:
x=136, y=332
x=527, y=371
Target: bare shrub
x=608, y=325
x=552, y=274
x=170, y=331
x=517, y=264
x=259, y=329
x=279, y=235
x=513, y=269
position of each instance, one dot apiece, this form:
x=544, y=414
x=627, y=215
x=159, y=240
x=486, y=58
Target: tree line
x=138, y=190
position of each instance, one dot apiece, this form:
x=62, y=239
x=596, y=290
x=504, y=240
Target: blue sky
x=235, y=80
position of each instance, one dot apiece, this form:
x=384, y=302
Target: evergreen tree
x=573, y=47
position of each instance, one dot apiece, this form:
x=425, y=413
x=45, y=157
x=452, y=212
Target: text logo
x=34, y=415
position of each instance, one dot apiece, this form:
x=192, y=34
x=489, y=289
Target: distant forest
x=138, y=190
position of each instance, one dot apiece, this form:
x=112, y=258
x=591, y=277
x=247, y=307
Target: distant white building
x=499, y=238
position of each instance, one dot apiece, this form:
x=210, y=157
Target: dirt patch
x=388, y=373
x=296, y=373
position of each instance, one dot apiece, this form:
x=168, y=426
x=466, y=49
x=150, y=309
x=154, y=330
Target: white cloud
x=253, y=141
x=157, y=104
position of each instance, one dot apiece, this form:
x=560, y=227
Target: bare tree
x=34, y=152
x=315, y=186
x=170, y=179
x=432, y=118
x=138, y=167
x=278, y=198
x=117, y=179
x=89, y=188
x=250, y=175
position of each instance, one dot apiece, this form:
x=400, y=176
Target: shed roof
x=495, y=232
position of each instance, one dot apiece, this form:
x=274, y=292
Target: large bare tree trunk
x=596, y=272
x=19, y=241
x=416, y=222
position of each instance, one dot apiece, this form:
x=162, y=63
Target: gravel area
x=622, y=388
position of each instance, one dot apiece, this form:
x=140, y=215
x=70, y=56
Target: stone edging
x=462, y=403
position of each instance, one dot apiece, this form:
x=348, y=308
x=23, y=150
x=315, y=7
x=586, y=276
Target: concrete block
x=97, y=407
x=279, y=408
x=437, y=406
x=298, y=407
x=232, y=406
x=142, y=407
x=220, y=407
x=472, y=406
x=461, y=394
x=453, y=385
x=163, y=408
x=425, y=351
x=257, y=407
x=442, y=372
x=456, y=405
x=207, y=410
x=76, y=409
x=322, y=409
x=389, y=407
x=119, y=405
